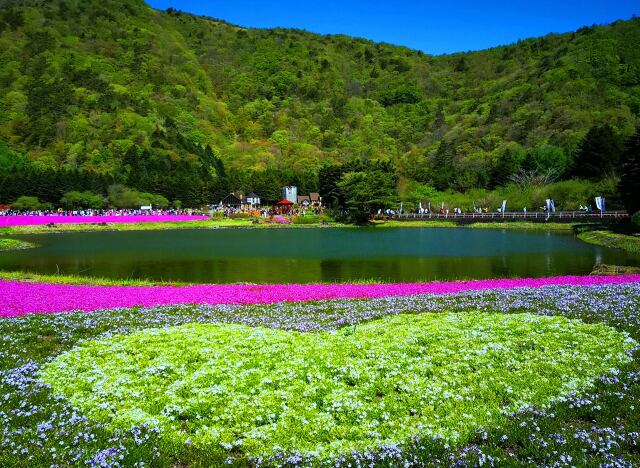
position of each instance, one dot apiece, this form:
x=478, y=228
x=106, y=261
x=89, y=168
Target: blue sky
x=435, y=27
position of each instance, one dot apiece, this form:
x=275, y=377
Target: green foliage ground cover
x=14, y=244
x=616, y=240
x=263, y=391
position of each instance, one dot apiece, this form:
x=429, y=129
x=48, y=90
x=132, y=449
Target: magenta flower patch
x=26, y=220
x=17, y=298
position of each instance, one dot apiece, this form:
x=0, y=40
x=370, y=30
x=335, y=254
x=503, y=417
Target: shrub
x=239, y=215
x=570, y=194
x=29, y=204
x=306, y=219
x=74, y=200
x=157, y=201
x=125, y=197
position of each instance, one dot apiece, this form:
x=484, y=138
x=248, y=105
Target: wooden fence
x=538, y=217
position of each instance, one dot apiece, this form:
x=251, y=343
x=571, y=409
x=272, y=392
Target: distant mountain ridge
x=116, y=88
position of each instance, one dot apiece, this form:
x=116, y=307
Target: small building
x=231, y=201
x=315, y=199
x=252, y=200
x=290, y=193
x=303, y=200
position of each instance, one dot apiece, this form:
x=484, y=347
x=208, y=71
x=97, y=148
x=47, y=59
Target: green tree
x=76, y=200
x=630, y=174
x=281, y=139
x=444, y=169
x=367, y=192
x=25, y=203
x=599, y=153
x=329, y=177
x=507, y=165
x=123, y=197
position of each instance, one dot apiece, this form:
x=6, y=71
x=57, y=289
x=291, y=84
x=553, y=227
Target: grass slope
x=628, y=242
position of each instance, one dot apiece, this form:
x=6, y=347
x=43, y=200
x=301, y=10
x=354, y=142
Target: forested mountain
x=96, y=92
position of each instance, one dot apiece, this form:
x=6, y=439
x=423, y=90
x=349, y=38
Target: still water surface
x=312, y=255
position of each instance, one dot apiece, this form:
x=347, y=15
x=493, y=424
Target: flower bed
x=263, y=391
x=598, y=424
x=6, y=221
x=19, y=298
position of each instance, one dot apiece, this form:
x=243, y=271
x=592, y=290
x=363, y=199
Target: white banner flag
x=551, y=205
x=504, y=205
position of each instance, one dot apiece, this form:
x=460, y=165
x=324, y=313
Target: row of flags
x=550, y=203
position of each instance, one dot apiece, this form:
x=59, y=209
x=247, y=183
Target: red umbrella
x=284, y=202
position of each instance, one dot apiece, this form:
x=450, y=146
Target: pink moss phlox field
x=18, y=298
x=6, y=221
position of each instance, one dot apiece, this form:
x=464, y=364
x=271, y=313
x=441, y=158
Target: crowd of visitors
x=269, y=212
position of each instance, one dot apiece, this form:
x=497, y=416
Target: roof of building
x=230, y=199
x=252, y=195
x=314, y=196
x=302, y=198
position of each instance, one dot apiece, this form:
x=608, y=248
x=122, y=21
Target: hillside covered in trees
x=95, y=93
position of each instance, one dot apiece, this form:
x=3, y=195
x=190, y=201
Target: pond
x=312, y=255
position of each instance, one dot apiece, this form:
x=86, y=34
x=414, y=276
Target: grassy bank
x=13, y=244
x=521, y=225
x=628, y=242
x=29, y=277
x=397, y=224
x=249, y=223
x=209, y=224
x=524, y=225
x=612, y=270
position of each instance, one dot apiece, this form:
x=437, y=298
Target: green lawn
x=13, y=244
x=628, y=242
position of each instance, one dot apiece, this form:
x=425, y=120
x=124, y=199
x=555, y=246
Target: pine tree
x=629, y=187
x=599, y=153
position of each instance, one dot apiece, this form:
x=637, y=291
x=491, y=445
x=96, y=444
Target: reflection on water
x=312, y=255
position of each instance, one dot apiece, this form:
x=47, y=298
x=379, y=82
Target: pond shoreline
x=613, y=240
x=249, y=224
x=7, y=245
x=606, y=239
